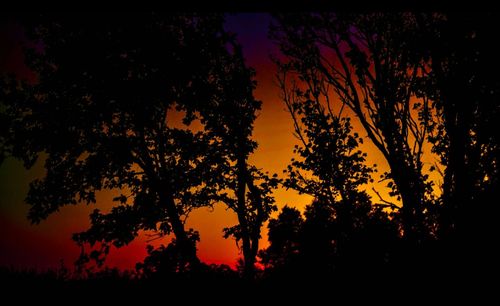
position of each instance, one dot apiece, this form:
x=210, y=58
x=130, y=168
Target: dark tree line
x=465, y=87
x=415, y=82
x=374, y=74
x=160, y=107
x=102, y=115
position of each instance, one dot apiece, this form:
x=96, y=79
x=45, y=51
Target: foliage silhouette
x=342, y=231
x=284, y=238
x=319, y=246
x=160, y=109
x=364, y=60
x=464, y=85
x=228, y=119
x=103, y=116
x=416, y=82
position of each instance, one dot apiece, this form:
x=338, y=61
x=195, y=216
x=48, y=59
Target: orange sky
x=25, y=245
x=45, y=244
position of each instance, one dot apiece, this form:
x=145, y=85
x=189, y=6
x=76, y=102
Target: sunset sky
x=44, y=245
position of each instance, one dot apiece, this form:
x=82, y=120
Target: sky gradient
x=44, y=245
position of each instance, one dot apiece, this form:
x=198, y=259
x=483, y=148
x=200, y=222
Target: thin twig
x=392, y=205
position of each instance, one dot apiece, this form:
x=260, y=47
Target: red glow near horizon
x=42, y=246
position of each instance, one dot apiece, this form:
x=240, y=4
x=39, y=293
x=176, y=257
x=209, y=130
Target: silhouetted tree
x=364, y=61
x=229, y=119
x=331, y=168
x=466, y=138
x=464, y=86
x=320, y=247
x=285, y=238
x=102, y=115
x=414, y=81
x=320, y=237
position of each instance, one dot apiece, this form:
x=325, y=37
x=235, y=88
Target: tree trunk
x=455, y=191
x=457, y=186
x=407, y=177
x=412, y=199
x=186, y=247
x=261, y=215
x=248, y=259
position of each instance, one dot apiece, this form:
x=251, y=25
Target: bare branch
x=383, y=200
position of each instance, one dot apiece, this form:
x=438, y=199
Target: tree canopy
x=160, y=109
x=105, y=111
